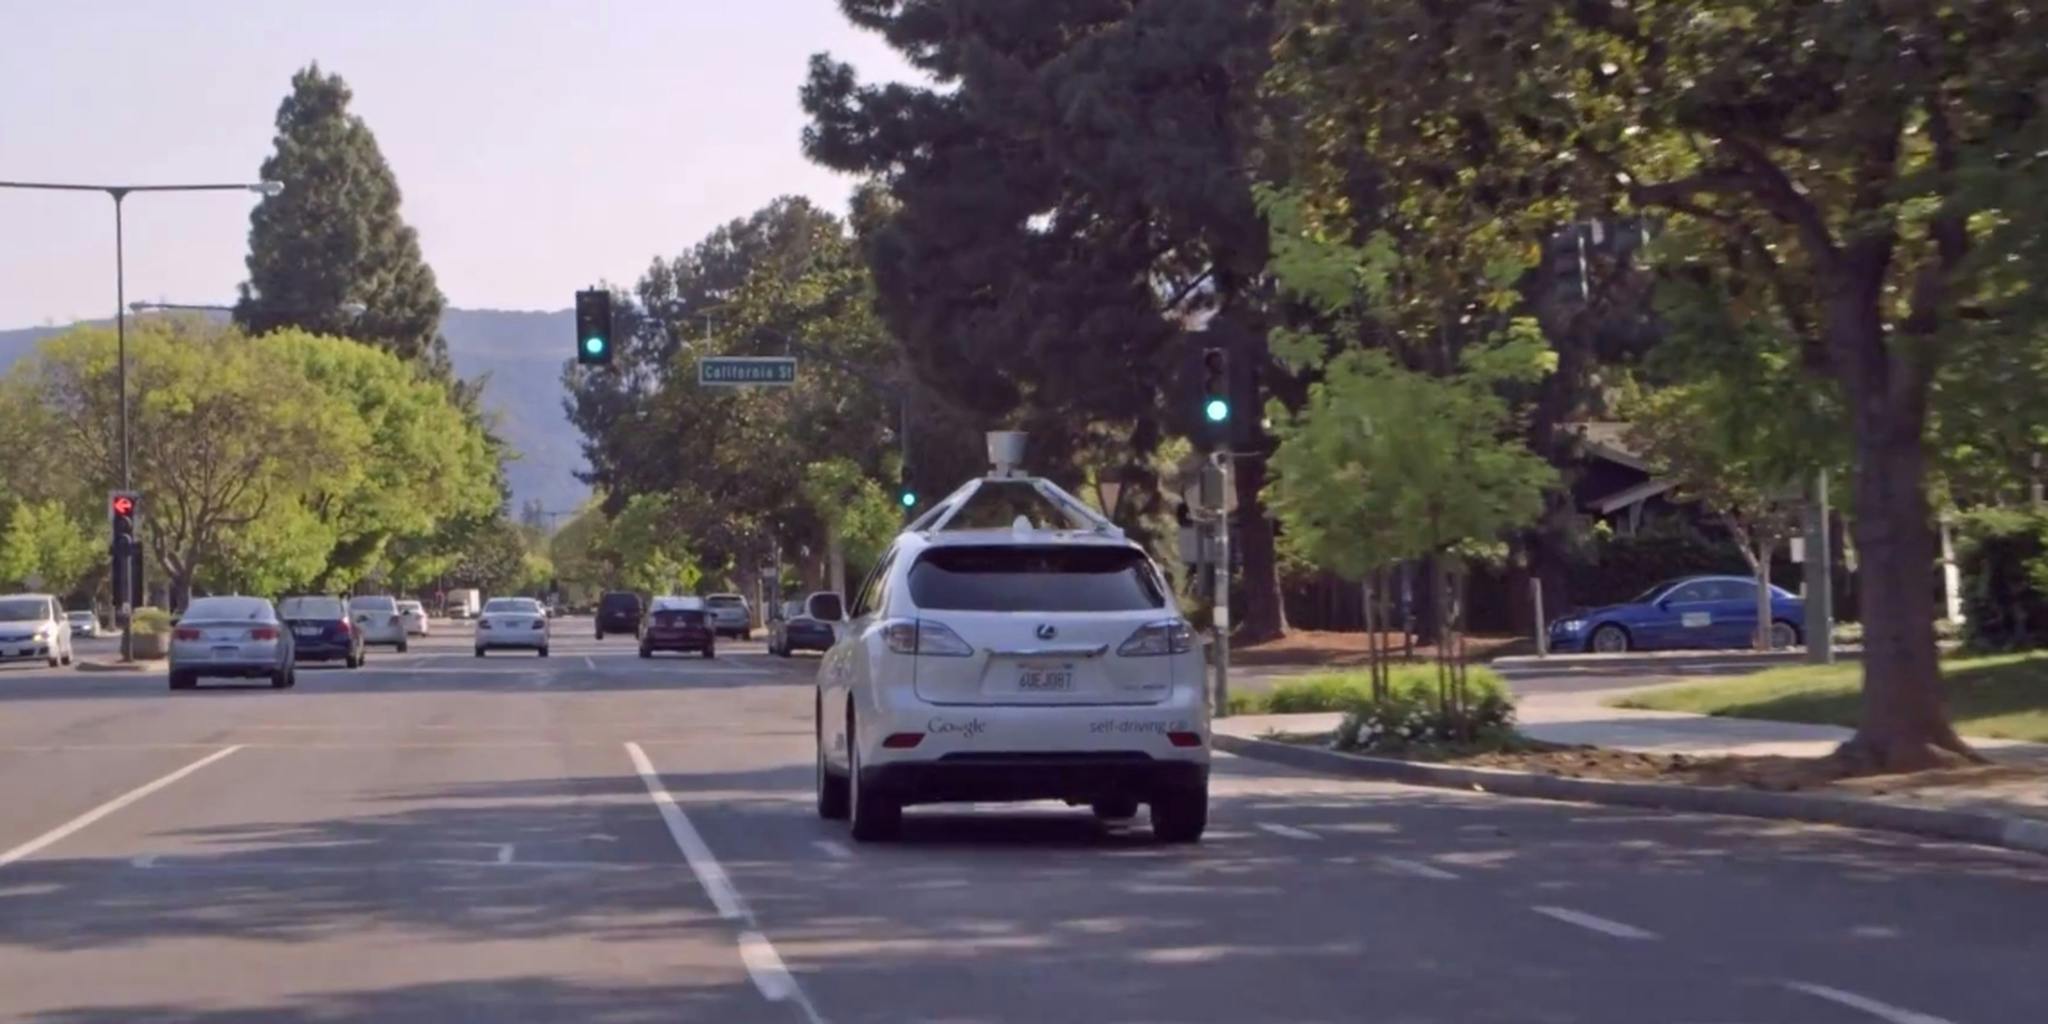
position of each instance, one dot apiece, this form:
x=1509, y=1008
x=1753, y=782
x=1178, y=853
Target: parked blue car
x=1696, y=611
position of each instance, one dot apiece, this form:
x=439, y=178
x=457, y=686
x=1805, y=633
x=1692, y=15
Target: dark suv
x=618, y=612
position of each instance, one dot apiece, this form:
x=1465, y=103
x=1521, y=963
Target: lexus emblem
x=1046, y=631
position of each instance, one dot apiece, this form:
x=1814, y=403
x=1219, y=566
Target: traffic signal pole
x=1221, y=616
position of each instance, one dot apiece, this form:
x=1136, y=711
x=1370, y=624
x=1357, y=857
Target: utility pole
x=1820, y=576
x=1224, y=474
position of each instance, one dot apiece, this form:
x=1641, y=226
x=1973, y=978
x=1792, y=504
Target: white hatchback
x=1014, y=664
x=378, y=619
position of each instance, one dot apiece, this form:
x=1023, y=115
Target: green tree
x=494, y=559
x=649, y=550
x=1865, y=168
x=331, y=253
x=222, y=439
x=858, y=515
x=1048, y=219
x=45, y=547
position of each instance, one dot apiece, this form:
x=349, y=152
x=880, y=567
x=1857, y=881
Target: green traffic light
x=1217, y=410
x=909, y=499
x=594, y=346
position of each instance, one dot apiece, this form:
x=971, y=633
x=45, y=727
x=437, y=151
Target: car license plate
x=307, y=631
x=1045, y=679
x=225, y=651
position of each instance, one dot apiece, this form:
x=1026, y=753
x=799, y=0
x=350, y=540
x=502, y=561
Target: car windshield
x=228, y=609
x=1086, y=578
x=678, y=617
x=411, y=606
x=312, y=608
x=514, y=605
x=23, y=609
x=373, y=604
x=1651, y=594
x=79, y=616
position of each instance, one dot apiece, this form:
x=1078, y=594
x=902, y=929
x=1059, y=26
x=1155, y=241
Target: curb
x=115, y=666
x=1978, y=827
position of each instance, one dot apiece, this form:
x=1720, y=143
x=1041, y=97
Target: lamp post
x=119, y=193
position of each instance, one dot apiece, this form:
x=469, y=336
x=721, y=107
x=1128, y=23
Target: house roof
x=1607, y=439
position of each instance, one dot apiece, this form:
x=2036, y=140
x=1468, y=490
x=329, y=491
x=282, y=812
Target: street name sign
x=740, y=371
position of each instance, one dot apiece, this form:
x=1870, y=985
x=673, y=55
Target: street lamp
x=118, y=193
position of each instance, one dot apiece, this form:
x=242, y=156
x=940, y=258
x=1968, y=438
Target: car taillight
x=1171, y=637
x=483, y=623
x=185, y=634
x=903, y=740
x=263, y=633
x=1185, y=739
x=925, y=638
x=537, y=625
x=344, y=627
x=394, y=620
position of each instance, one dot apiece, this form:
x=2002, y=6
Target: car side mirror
x=826, y=607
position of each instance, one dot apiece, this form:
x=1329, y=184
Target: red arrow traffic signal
x=123, y=505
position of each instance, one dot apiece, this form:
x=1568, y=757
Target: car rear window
x=228, y=609
x=725, y=601
x=311, y=608
x=678, y=617
x=620, y=603
x=373, y=604
x=1035, y=579
x=513, y=605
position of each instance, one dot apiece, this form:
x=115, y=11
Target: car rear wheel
x=1181, y=816
x=402, y=647
x=645, y=653
x=1115, y=808
x=1784, y=635
x=834, y=798
x=281, y=679
x=479, y=652
x=543, y=652
x=1610, y=639
x=710, y=651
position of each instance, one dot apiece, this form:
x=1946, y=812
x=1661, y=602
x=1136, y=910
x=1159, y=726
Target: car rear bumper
x=311, y=650
x=233, y=669
x=807, y=641
x=486, y=640
x=1079, y=776
x=659, y=642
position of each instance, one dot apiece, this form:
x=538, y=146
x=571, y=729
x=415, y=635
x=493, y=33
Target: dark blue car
x=1696, y=611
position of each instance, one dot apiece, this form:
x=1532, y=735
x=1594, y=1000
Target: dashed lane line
x=1417, y=868
x=58, y=834
x=833, y=848
x=1882, y=1011
x=770, y=975
x=1592, y=922
x=1288, y=831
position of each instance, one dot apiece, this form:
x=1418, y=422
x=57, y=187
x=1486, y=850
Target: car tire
x=403, y=647
x=1616, y=640
x=834, y=794
x=543, y=652
x=1115, y=808
x=1181, y=815
x=645, y=653
x=877, y=816
x=183, y=681
x=710, y=652
x=280, y=679
x=1784, y=635
x=600, y=634
x=479, y=652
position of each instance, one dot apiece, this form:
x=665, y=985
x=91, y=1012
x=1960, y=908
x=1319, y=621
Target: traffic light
x=124, y=509
x=594, y=327
x=906, y=495
x=1567, y=252
x=1215, y=386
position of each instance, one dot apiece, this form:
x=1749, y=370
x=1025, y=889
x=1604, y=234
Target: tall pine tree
x=331, y=253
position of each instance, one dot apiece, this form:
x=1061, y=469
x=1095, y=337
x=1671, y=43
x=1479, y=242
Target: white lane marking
x=504, y=853
x=589, y=664
x=770, y=976
x=147, y=860
x=833, y=848
x=1602, y=925
x=55, y=835
x=1417, y=868
x=1882, y=1011
x=1288, y=830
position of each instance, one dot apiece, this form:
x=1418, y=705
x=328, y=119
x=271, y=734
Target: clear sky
x=541, y=145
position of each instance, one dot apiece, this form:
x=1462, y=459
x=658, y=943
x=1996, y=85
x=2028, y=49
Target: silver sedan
x=237, y=637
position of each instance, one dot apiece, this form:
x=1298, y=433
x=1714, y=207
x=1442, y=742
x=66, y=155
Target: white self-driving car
x=1012, y=645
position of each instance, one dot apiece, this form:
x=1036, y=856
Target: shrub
x=2004, y=562
x=153, y=621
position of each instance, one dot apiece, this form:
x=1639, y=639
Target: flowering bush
x=1410, y=717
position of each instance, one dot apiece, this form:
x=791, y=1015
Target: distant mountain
x=520, y=356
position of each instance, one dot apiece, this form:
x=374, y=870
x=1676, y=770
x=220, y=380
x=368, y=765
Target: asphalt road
x=599, y=838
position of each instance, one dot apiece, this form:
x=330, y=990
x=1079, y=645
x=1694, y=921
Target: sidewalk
x=2009, y=796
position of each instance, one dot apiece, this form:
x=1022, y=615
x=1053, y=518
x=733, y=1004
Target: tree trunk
x=1264, y=616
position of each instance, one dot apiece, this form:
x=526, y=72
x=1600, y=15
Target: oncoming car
x=1025, y=663
x=33, y=628
x=518, y=622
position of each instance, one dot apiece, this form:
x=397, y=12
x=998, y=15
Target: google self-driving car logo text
x=967, y=730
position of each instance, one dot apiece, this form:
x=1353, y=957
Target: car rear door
x=1687, y=616
x=1044, y=625
x=1734, y=613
